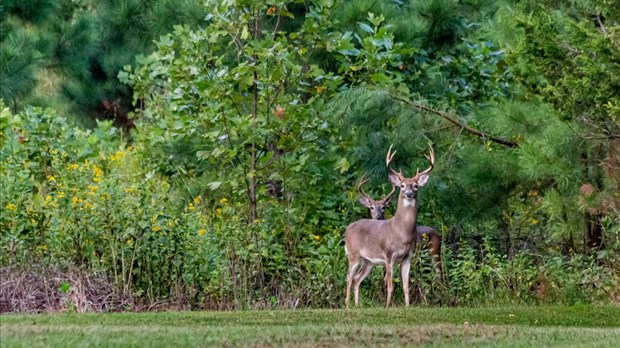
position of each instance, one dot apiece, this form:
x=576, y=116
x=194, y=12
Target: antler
x=363, y=180
x=431, y=159
x=388, y=198
x=388, y=160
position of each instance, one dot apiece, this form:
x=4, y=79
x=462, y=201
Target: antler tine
x=363, y=180
x=388, y=160
x=389, y=196
x=431, y=159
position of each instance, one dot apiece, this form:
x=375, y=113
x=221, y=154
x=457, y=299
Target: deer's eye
x=402, y=185
x=372, y=208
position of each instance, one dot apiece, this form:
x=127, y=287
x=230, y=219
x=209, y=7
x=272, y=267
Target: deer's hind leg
x=353, y=264
x=359, y=277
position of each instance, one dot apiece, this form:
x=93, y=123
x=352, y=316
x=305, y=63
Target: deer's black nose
x=409, y=194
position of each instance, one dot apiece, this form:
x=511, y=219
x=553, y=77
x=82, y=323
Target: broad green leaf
x=214, y=185
x=365, y=27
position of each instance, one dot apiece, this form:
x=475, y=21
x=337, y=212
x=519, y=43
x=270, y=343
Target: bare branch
x=601, y=25
x=452, y=119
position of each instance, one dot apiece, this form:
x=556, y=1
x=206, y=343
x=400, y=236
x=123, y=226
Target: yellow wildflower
x=98, y=173
x=317, y=238
x=320, y=89
x=73, y=166
x=93, y=189
x=223, y=200
x=202, y=232
x=191, y=207
x=118, y=155
x=61, y=194
x=156, y=228
x=75, y=201
x=128, y=190
x=11, y=206
x=534, y=221
x=218, y=212
x=197, y=199
x=51, y=178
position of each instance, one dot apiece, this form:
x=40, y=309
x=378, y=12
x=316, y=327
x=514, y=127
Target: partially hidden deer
x=370, y=242
x=424, y=233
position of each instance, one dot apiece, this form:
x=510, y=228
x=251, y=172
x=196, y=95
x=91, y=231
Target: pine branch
x=453, y=120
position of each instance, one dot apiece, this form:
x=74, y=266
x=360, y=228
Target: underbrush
x=88, y=225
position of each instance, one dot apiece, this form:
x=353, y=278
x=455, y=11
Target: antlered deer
x=384, y=242
x=377, y=212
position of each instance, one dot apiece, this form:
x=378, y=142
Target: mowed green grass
x=547, y=326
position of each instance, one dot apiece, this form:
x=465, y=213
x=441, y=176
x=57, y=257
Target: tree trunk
x=593, y=234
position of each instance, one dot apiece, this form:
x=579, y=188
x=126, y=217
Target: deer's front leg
x=404, y=275
x=388, y=275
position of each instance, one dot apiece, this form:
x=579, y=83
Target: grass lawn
x=545, y=326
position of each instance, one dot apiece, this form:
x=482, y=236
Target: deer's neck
x=406, y=215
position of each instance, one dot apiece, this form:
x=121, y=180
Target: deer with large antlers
x=371, y=242
x=424, y=233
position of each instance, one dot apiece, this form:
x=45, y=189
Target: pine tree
x=569, y=56
x=68, y=53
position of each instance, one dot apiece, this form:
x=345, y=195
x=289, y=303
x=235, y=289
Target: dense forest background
x=204, y=154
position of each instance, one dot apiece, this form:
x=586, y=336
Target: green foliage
x=86, y=198
x=568, y=57
x=482, y=275
x=67, y=54
x=574, y=52
x=234, y=187
x=245, y=115
x=18, y=53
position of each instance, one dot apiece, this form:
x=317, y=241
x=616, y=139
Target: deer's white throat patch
x=409, y=202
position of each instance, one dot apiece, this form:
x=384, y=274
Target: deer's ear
x=365, y=202
x=423, y=179
x=394, y=179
